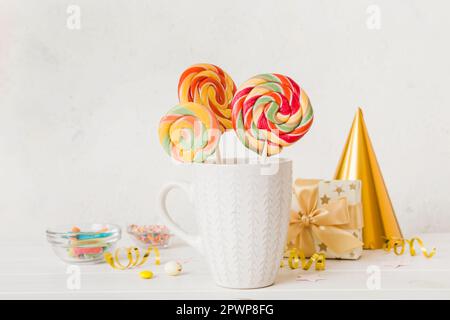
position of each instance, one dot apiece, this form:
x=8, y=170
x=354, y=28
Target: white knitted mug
x=243, y=214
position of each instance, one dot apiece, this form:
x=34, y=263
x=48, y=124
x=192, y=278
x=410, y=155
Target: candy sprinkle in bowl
x=84, y=243
x=155, y=235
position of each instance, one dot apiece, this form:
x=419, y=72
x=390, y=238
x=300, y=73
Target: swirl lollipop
x=189, y=132
x=210, y=86
x=270, y=111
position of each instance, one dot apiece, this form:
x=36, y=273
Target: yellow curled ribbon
x=133, y=257
x=398, y=245
x=297, y=257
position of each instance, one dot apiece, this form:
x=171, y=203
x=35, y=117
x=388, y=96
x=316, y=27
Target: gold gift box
x=327, y=217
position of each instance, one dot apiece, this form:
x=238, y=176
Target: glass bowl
x=144, y=236
x=85, y=243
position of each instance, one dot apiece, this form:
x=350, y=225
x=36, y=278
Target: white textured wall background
x=79, y=109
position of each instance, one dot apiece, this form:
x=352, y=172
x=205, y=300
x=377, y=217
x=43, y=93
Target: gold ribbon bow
x=327, y=223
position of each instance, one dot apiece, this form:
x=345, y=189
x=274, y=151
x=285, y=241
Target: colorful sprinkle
x=155, y=235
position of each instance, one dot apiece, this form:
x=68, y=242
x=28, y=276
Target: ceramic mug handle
x=193, y=240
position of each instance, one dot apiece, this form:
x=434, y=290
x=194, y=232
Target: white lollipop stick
x=264, y=153
x=218, y=157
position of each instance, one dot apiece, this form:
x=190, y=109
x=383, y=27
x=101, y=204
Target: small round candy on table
x=173, y=268
x=146, y=274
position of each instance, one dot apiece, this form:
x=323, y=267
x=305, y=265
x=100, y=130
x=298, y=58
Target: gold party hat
x=358, y=161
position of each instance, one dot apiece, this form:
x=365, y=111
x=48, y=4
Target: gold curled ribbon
x=133, y=257
x=398, y=245
x=297, y=257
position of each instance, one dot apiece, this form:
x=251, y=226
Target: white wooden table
x=32, y=271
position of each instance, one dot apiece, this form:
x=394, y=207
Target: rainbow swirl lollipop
x=210, y=86
x=189, y=132
x=270, y=107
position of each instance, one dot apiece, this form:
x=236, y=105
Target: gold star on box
x=339, y=190
x=324, y=199
x=352, y=186
x=322, y=247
